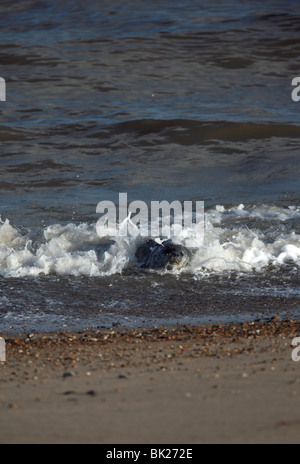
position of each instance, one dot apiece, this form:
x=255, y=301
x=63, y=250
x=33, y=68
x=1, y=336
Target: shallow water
x=164, y=102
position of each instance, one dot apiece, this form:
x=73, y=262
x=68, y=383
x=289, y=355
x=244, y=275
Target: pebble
x=13, y=406
x=68, y=374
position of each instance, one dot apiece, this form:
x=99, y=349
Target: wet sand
x=183, y=385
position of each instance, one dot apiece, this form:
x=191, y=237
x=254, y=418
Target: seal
x=167, y=255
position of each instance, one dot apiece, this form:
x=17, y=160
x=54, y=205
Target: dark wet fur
x=152, y=255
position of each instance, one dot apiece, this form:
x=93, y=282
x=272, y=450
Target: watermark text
x=2, y=350
x=162, y=218
x=2, y=89
x=296, y=91
x=296, y=351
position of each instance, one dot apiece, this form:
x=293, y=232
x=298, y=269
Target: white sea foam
x=236, y=239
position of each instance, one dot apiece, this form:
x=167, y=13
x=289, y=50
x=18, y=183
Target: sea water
x=163, y=101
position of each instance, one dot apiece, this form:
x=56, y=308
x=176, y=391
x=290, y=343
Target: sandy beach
x=178, y=385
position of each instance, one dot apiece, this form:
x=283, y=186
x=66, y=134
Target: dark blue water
x=161, y=100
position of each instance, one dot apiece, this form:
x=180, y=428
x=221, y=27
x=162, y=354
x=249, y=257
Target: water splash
x=240, y=239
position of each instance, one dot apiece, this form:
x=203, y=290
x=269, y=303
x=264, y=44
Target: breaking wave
x=240, y=239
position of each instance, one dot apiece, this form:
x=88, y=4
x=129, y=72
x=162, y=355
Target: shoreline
x=233, y=383
x=142, y=311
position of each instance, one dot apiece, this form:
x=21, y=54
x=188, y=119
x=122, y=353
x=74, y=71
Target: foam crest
x=242, y=239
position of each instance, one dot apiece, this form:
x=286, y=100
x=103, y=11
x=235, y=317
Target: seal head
x=167, y=255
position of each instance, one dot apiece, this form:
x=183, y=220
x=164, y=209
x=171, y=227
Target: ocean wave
x=186, y=131
x=240, y=239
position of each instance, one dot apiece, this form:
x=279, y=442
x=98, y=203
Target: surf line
x=163, y=219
